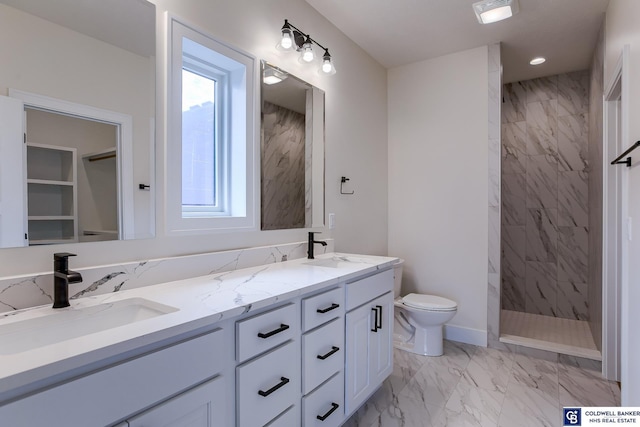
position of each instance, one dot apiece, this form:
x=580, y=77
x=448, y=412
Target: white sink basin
x=330, y=262
x=67, y=324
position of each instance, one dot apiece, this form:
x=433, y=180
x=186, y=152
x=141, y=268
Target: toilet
x=419, y=319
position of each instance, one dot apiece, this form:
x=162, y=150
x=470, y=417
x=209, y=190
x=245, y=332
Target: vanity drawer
x=321, y=308
x=290, y=418
x=265, y=331
x=268, y=385
x=366, y=289
x=322, y=354
x=325, y=406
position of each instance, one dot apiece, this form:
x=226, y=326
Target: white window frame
x=239, y=152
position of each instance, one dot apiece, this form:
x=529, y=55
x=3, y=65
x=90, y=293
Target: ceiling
x=400, y=32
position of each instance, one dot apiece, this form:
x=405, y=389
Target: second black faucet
x=312, y=241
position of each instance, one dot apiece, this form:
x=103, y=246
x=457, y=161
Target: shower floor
x=565, y=336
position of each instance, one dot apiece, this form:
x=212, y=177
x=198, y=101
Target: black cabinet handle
x=379, y=325
x=325, y=310
x=334, y=406
x=375, y=322
x=282, y=328
x=283, y=381
x=333, y=350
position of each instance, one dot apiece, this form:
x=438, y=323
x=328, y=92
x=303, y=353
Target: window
x=212, y=134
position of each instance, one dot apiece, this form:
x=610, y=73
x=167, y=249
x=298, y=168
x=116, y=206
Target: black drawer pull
x=282, y=328
x=325, y=310
x=333, y=350
x=379, y=325
x=283, y=381
x=334, y=406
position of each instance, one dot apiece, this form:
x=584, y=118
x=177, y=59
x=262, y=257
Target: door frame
x=615, y=206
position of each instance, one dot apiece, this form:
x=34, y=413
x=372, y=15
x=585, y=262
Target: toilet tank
x=397, y=276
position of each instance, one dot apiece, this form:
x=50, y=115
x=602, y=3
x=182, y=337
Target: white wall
x=621, y=29
x=438, y=180
x=356, y=138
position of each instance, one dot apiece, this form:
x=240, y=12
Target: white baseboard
x=466, y=335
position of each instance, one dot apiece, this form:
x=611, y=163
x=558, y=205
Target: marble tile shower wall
x=283, y=168
x=29, y=291
x=545, y=219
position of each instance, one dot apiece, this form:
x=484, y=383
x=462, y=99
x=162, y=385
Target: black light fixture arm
x=304, y=36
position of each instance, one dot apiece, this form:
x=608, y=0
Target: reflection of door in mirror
x=55, y=183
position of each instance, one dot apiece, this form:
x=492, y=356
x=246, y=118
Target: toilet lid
x=429, y=302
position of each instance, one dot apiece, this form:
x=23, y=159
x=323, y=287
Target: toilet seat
x=429, y=302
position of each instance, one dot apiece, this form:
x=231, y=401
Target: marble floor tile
x=488, y=387
x=582, y=387
x=526, y=407
x=538, y=374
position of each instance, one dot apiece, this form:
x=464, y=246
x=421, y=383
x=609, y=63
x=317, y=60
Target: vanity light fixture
x=490, y=11
x=537, y=61
x=294, y=39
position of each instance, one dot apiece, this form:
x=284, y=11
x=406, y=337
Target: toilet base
x=426, y=342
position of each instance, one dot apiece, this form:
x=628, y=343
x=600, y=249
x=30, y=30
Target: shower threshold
x=564, y=336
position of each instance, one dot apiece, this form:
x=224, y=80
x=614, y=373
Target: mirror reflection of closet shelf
x=109, y=153
x=51, y=194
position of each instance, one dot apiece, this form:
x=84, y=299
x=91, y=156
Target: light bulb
x=286, y=41
x=307, y=53
x=326, y=66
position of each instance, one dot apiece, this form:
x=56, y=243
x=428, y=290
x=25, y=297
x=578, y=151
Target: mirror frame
x=315, y=191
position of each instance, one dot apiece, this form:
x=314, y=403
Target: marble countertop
x=200, y=302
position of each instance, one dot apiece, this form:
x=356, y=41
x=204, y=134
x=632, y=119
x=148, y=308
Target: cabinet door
x=202, y=406
x=381, y=348
x=358, y=325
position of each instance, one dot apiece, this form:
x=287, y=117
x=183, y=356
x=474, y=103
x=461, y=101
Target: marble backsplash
x=545, y=176
x=20, y=292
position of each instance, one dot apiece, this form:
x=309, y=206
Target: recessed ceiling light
x=489, y=11
x=537, y=61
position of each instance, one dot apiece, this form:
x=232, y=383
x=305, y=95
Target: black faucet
x=62, y=276
x=312, y=241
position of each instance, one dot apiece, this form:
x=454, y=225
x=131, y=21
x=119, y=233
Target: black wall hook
x=342, y=182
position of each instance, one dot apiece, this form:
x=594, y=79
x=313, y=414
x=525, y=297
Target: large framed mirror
x=292, y=151
x=77, y=97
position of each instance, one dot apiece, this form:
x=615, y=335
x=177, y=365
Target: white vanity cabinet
x=202, y=406
x=369, y=335
x=116, y=392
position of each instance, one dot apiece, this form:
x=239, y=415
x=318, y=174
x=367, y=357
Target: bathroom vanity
x=302, y=342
